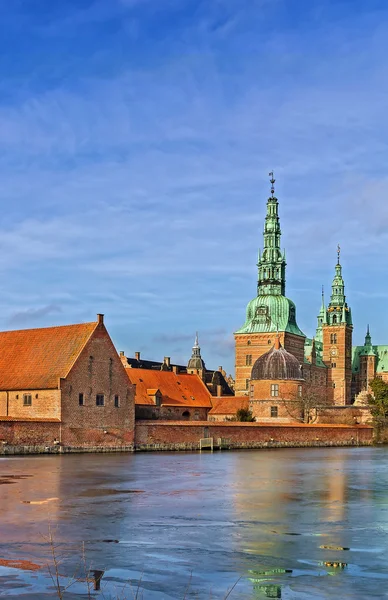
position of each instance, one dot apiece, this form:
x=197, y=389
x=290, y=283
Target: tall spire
x=322, y=318
x=271, y=265
x=338, y=311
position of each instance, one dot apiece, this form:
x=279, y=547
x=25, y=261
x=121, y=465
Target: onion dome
x=277, y=364
x=196, y=361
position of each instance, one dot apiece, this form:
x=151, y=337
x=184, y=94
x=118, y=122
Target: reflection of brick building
x=325, y=361
x=71, y=376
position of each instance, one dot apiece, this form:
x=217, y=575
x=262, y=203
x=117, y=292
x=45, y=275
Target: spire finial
x=323, y=292
x=272, y=181
x=196, y=343
x=367, y=330
x=338, y=254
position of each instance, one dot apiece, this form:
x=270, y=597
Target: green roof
x=381, y=353
x=271, y=313
x=308, y=346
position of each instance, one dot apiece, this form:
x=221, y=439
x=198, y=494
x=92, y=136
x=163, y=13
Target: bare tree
x=303, y=407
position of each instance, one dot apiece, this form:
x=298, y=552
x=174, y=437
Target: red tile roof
x=175, y=389
x=31, y=419
x=228, y=405
x=35, y=359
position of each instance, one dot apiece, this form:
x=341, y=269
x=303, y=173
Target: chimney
x=220, y=369
x=175, y=369
x=219, y=390
x=167, y=361
x=137, y=355
x=100, y=319
x=121, y=352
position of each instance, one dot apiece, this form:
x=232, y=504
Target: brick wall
x=171, y=413
x=255, y=345
x=288, y=411
x=344, y=414
x=44, y=404
x=338, y=353
x=98, y=370
x=185, y=436
x=28, y=433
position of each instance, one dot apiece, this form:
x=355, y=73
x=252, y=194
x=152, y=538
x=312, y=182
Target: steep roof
x=176, y=389
x=229, y=405
x=381, y=353
x=34, y=359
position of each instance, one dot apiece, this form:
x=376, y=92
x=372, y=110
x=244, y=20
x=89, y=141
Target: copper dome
x=277, y=364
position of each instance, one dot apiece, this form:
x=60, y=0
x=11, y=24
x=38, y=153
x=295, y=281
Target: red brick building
x=169, y=395
x=325, y=361
x=70, y=375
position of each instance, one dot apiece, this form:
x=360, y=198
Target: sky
x=136, y=138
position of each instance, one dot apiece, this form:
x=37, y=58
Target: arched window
x=334, y=318
x=186, y=414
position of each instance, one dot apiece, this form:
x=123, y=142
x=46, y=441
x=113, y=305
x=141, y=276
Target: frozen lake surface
x=174, y=526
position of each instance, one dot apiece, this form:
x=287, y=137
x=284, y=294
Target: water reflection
x=279, y=520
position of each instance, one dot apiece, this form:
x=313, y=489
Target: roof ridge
x=50, y=327
x=96, y=323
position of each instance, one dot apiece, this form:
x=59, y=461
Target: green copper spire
x=338, y=310
x=271, y=265
x=367, y=350
x=271, y=311
x=322, y=319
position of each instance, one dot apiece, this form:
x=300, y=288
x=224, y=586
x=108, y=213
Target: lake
x=188, y=525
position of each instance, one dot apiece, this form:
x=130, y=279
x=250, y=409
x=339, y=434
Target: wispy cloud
x=33, y=315
x=133, y=168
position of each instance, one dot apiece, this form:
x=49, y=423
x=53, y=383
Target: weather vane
x=338, y=254
x=272, y=180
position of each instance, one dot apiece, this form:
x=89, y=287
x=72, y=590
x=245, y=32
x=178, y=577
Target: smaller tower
x=367, y=363
x=322, y=320
x=337, y=340
x=196, y=365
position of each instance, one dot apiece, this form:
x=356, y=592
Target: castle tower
x=270, y=312
x=196, y=365
x=367, y=363
x=337, y=341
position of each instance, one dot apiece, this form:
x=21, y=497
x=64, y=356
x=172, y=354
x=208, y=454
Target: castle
x=274, y=358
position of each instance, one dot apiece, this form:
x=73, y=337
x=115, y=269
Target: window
x=269, y=341
x=274, y=389
x=100, y=400
x=333, y=338
x=274, y=411
x=333, y=365
x=81, y=400
x=247, y=384
x=249, y=342
x=248, y=359
x=334, y=319
x=299, y=391
x=117, y=401
x=27, y=399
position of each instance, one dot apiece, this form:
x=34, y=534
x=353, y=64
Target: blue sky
x=136, y=137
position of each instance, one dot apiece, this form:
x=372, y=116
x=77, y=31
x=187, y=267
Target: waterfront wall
x=32, y=437
x=39, y=436
x=186, y=436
